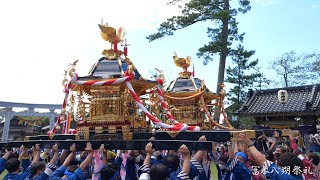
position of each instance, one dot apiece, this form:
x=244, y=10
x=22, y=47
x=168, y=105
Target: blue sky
x=282, y=26
x=272, y=28
x=38, y=39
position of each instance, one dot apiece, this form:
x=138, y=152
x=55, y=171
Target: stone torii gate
x=30, y=112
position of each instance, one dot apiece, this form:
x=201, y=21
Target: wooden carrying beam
x=164, y=140
x=214, y=135
x=118, y=145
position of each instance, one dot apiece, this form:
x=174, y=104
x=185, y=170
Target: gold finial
x=110, y=34
x=114, y=37
x=183, y=63
x=107, y=33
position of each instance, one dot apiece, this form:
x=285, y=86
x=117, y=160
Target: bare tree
x=297, y=69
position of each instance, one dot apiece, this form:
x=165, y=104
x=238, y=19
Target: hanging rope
x=211, y=119
x=156, y=121
x=225, y=119
x=163, y=103
x=128, y=75
x=184, y=98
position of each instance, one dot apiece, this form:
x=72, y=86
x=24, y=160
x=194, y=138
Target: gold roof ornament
x=65, y=79
x=184, y=63
x=113, y=36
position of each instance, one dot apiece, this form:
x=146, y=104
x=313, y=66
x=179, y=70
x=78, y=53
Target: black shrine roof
x=108, y=69
x=302, y=100
x=186, y=85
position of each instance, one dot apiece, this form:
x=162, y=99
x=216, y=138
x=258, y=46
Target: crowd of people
x=240, y=159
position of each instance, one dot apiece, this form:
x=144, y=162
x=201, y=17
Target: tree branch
x=173, y=24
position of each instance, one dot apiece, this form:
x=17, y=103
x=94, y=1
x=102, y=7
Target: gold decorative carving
x=235, y=135
x=51, y=136
x=98, y=130
x=114, y=37
x=27, y=138
x=112, y=129
x=111, y=54
x=173, y=134
x=83, y=133
x=181, y=62
x=295, y=133
x=185, y=75
x=127, y=136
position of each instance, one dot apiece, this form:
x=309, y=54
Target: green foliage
x=261, y=82
x=247, y=123
x=240, y=75
x=45, y=121
x=296, y=69
x=244, y=123
x=224, y=28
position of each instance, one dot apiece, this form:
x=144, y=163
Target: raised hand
x=88, y=147
x=203, y=138
x=148, y=148
x=23, y=149
x=245, y=139
x=184, y=150
x=73, y=148
x=36, y=148
x=102, y=149
x=262, y=137
x=289, y=132
x=55, y=148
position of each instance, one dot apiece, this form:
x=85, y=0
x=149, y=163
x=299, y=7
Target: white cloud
x=39, y=38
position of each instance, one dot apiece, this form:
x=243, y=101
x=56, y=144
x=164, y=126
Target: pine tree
x=223, y=32
x=261, y=82
x=242, y=76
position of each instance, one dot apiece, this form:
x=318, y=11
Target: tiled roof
x=302, y=100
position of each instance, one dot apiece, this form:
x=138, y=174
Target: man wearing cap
x=236, y=165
